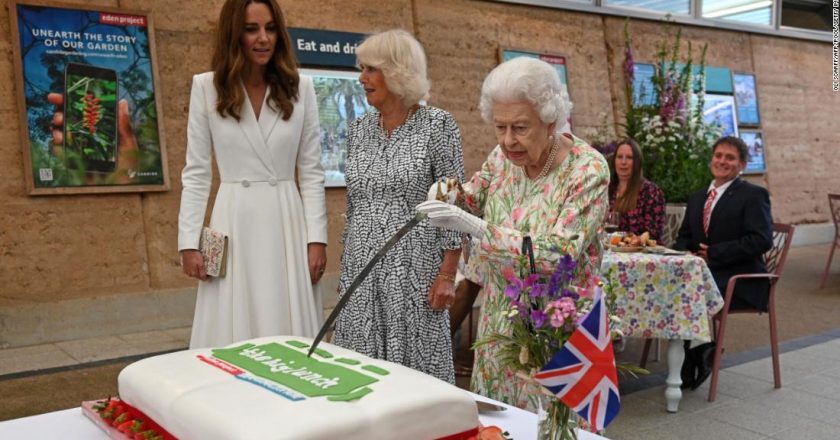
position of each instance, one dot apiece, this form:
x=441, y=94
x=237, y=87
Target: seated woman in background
x=639, y=202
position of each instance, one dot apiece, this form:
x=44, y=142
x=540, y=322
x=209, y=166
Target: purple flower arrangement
x=543, y=310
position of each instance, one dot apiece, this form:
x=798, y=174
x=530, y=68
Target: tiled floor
x=71, y=353
x=747, y=406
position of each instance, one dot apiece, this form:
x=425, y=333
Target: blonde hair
x=530, y=80
x=402, y=61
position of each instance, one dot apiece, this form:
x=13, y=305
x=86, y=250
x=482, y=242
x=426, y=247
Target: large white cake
x=266, y=388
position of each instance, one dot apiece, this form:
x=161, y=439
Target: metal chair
x=834, y=207
x=775, y=260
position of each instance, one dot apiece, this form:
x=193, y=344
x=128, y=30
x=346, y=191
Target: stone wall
x=60, y=254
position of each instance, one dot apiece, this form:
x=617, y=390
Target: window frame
x=602, y=7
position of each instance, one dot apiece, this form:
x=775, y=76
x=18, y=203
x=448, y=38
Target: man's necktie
x=707, y=210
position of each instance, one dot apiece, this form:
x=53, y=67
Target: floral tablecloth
x=662, y=296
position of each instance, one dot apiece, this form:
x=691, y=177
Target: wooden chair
x=775, y=260
x=834, y=207
x=674, y=215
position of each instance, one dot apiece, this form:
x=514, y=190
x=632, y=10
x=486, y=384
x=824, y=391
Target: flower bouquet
x=543, y=313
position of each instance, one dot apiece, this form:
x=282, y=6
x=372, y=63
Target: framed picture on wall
x=90, y=117
x=755, y=146
x=746, y=99
x=644, y=92
x=341, y=99
x=720, y=109
x=559, y=62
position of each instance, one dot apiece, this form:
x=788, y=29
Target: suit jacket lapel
x=254, y=132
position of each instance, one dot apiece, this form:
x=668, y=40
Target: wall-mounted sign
x=341, y=99
x=90, y=117
x=746, y=99
x=644, y=92
x=755, y=147
x=720, y=110
x=325, y=48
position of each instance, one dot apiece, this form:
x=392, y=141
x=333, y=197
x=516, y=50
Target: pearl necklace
x=550, y=161
x=408, y=114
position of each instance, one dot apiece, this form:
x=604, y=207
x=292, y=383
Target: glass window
x=745, y=11
x=664, y=6
x=807, y=14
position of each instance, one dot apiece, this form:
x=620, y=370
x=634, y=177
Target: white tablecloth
x=71, y=424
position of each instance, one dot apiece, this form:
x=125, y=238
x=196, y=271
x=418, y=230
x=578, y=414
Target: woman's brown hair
x=229, y=61
x=627, y=201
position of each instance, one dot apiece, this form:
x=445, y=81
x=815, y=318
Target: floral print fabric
x=659, y=296
x=649, y=214
x=566, y=209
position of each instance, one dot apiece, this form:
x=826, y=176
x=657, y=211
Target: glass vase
x=556, y=421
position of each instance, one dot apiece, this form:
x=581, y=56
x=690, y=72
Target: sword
x=361, y=277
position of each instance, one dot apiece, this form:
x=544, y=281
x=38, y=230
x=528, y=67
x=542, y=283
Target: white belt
x=246, y=183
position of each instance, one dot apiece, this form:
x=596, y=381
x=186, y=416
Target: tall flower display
x=674, y=138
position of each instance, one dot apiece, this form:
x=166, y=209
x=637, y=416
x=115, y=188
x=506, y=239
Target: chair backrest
x=776, y=256
x=834, y=207
x=673, y=220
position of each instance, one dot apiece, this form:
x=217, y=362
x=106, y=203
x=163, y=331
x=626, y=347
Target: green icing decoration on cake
x=377, y=370
x=348, y=361
x=318, y=351
x=294, y=370
x=355, y=395
x=298, y=344
x=323, y=353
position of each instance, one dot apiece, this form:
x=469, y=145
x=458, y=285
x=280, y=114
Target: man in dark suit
x=729, y=225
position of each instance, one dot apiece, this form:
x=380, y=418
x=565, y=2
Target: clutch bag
x=214, y=247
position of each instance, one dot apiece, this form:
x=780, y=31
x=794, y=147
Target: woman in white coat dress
x=277, y=233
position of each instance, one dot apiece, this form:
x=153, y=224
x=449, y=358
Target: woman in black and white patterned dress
x=394, y=154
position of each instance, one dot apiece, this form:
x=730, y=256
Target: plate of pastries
x=629, y=242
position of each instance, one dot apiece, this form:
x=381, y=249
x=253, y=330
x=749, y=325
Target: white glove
x=445, y=190
x=446, y=216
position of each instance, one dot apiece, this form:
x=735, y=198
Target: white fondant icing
x=194, y=400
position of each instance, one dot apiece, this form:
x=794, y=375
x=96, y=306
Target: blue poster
x=720, y=110
x=755, y=147
x=746, y=99
x=644, y=93
x=89, y=98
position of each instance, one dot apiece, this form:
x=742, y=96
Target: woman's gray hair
x=402, y=61
x=530, y=80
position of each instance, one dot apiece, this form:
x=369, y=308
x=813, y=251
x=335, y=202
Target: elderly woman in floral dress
x=540, y=181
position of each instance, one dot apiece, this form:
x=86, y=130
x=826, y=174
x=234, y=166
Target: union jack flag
x=582, y=374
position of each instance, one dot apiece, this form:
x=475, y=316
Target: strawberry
x=108, y=411
x=122, y=418
x=491, y=433
x=125, y=426
x=120, y=409
x=145, y=435
x=101, y=405
x=138, y=426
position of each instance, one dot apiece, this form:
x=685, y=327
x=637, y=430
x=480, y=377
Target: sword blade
x=361, y=277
